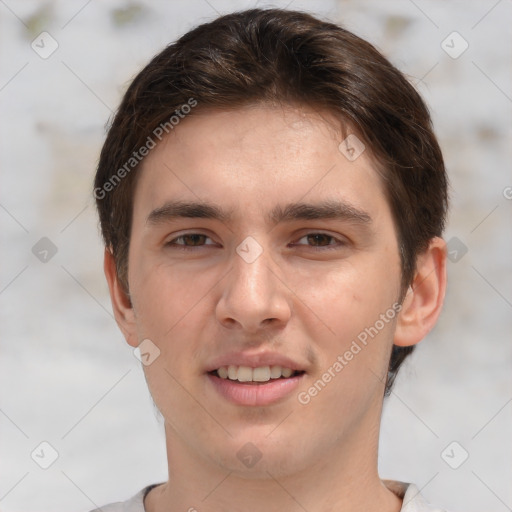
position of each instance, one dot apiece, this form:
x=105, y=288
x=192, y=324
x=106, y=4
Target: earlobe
x=424, y=299
x=121, y=304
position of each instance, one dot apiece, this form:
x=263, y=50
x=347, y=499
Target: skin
x=297, y=298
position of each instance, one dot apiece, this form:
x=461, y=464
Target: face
x=270, y=305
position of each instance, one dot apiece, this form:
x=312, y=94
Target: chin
x=259, y=458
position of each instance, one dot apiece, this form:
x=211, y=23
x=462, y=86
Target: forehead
x=254, y=158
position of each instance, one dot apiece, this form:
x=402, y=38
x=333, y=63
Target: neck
x=346, y=479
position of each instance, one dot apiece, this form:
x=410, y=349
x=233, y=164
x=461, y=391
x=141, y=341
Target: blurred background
x=67, y=378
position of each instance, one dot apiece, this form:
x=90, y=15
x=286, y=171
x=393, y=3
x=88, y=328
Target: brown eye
x=194, y=239
x=189, y=240
x=319, y=239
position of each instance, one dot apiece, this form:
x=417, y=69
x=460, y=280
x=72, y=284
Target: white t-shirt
x=413, y=501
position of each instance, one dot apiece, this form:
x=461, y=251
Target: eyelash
x=182, y=247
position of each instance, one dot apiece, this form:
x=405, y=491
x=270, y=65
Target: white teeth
x=232, y=371
x=223, y=372
x=275, y=372
x=248, y=374
x=244, y=374
x=261, y=374
x=286, y=372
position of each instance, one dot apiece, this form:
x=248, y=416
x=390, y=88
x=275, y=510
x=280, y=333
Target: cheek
x=350, y=298
x=352, y=339
x=174, y=309
x=163, y=297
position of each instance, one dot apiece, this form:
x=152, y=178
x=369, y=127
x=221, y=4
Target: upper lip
x=254, y=360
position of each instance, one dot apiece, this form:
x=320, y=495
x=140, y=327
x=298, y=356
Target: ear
x=121, y=304
x=424, y=299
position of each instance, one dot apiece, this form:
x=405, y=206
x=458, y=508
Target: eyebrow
x=330, y=209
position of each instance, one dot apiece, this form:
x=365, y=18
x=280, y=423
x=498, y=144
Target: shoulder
x=134, y=504
x=413, y=501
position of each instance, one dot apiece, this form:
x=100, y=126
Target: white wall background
x=66, y=375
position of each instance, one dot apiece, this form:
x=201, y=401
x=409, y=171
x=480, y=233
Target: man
x=272, y=198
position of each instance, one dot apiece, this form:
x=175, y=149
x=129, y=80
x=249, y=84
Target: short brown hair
x=274, y=55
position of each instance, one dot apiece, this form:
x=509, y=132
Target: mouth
x=260, y=386
x=259, y=375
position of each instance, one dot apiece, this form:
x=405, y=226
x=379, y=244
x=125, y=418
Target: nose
x=254, y=296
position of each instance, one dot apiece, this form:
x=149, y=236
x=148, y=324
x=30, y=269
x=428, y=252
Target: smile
x=248, y=374
x=264, y=385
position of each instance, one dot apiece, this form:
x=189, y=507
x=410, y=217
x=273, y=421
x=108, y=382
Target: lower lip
x=264, y=393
